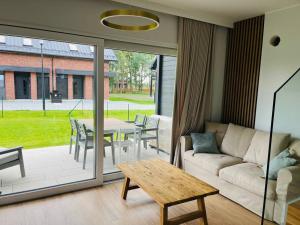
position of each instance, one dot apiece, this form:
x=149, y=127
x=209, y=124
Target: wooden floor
x=103, y=206
x=293, y=214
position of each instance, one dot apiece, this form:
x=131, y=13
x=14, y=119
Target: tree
x=132, y=68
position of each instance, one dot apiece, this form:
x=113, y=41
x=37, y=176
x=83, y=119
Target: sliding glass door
x=138, y=103
x=52, y=113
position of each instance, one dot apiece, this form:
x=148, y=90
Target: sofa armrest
x=288, y=183
x=186, y=143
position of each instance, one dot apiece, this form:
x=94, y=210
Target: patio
x=54, y=165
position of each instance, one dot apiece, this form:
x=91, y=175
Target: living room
x=226, y=85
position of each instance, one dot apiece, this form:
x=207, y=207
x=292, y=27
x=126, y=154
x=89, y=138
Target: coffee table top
x=165, y=183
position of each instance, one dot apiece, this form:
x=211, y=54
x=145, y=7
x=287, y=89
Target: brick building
x=68, y=68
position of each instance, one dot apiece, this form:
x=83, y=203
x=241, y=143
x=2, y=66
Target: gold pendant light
x=130, y=13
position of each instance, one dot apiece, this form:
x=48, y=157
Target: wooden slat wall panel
x=242, y=71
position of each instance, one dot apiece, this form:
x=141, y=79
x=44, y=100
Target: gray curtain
x=192, y=91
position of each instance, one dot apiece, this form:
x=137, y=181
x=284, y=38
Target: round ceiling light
x=154, y=20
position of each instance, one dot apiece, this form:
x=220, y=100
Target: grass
x=31, y=129
x=133, y=98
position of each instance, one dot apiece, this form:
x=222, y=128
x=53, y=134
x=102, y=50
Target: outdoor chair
x=74, y=135
x=12, y=157
x=139, y=120
x=86, y=141
x=149, y=132
x=110, y=144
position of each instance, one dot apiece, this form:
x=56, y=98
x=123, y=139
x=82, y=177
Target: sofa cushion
x=295, y=146
x=218, y=128
x=237, y=140
x=9, y=157
x=211, y=162
x=249, y=177
x=258, y=149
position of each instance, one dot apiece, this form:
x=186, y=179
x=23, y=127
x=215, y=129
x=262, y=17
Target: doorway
x=22, y=85
x=62, y=85
x=77, y=87
x=2, y=87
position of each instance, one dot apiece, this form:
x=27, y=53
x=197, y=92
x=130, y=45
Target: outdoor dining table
x=118, y=126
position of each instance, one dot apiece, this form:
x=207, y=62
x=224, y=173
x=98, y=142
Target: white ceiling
x=221, y=12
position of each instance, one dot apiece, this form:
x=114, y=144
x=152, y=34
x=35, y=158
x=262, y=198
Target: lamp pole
x=43, y=79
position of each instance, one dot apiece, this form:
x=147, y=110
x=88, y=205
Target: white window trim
x=92, y=49
x=2, y=39
x=73, y=47
x=27, y=41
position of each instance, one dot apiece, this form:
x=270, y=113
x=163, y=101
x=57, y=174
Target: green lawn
x=133, y=98
x=31, y=129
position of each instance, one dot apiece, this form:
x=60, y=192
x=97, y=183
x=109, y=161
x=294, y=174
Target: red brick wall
x=106, y=66
x=70, y=86
x=106, y=88
x=9, y=85
x=33, y=86
x=88, y=87
x=11, y=59
x=106, y=80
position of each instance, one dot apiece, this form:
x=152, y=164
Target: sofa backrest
x=237, y=140
x=218, y=128
x=295, y=146
x=259, y=147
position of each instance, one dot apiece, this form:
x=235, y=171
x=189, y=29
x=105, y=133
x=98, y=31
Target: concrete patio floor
x=54, y=165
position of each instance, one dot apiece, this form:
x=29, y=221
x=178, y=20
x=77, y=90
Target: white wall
x=278, y=63
x=82, y=17
x=287, y=111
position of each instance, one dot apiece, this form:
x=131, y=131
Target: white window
x=27, y=42
x=73, y=47
x=2, y=39
x=92, y=48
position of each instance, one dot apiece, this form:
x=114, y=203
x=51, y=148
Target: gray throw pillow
x=282, y=160
x=204, y=143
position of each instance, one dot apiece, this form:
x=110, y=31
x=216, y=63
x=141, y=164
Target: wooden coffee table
x=168, y=186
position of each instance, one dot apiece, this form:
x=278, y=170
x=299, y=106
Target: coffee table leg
x=125, y=187
x=201, y=207
x=163, y=215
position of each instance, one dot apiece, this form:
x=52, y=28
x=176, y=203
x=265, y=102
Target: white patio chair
x=139, y=120
x=126, y=144
x=12, y=157
x=86, y=141
x=149, y=132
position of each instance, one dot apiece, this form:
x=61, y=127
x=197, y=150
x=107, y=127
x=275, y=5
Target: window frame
x=98, y=111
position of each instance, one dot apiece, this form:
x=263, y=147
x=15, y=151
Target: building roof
x=52, y=48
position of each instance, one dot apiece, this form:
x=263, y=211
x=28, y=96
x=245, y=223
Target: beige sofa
x=237, y=172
